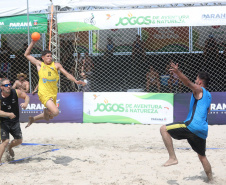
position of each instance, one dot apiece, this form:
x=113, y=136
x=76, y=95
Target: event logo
x=90, y=20
x=134, y=20
x=44, y=80
x=35, y=22
x=95, y=96
x=159, y=119
x=58, y=103
x=109, y=16
x=218, y=108
x=214, y=16
x=109, y=107
x=19, y=25
x=146, y=20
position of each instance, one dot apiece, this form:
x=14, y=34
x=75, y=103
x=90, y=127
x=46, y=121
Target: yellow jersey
x=47, y=85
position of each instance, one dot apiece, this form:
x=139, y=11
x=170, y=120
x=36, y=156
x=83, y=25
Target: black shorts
x=179, y=130
x=12, y=128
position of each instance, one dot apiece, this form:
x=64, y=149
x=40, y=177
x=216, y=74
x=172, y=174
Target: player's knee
x=201, y=157
x=163, y=129
x=19, y=141
x=55, y=113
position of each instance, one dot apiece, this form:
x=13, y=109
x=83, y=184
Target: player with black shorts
x=9, y=116
x=195, y=127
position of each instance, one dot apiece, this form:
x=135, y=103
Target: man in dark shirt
x=9, y=116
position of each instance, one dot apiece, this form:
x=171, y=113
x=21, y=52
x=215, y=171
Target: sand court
x=109, y=154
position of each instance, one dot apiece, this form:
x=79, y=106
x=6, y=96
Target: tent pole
x=28, y=39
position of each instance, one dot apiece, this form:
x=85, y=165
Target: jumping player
x=195, y=127
x=47, y=85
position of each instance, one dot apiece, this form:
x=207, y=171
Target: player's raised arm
x=196, y=89
x=28, y=55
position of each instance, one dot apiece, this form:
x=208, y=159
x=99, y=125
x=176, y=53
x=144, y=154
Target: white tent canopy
x=127, y=3
x=18, y=7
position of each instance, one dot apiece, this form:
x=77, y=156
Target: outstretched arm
x=196, y=89
x=68, y=75
x=32, y=59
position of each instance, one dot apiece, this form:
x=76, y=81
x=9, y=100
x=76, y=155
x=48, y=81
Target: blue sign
x=70, y=106
x=217, y=115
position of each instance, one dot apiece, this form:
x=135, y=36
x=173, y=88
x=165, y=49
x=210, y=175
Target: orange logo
x=130, y=15
x=105, y=101
x=108, y=16
x=95, y=96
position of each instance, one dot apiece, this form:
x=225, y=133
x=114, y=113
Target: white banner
x=128, y=107
x=160, y=17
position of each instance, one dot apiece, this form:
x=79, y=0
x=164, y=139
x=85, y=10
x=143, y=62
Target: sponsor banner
x=18, y=24
x=134, y=18
x=128, y=107
x=217, y=114
x=70, y=106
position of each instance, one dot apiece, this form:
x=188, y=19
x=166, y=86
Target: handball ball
x=35, y=36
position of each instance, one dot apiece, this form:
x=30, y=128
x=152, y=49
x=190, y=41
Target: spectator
x=1, y=76
x=138, y=58
x=152, y=80
x=138, y=51
x=87, y=71
x=21, y=84
x=76, y=70
x=110, y=47
x=5, y=59
x=67, y=61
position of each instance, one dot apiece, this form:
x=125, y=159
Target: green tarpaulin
x=18, y=24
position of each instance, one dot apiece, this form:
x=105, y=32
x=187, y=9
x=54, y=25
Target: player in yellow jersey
x=47, y=85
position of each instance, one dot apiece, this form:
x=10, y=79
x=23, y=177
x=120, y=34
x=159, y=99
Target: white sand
x=110, y=154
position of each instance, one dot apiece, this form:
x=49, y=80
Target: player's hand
x=173, y=68
x=23, y=105
x=11, y=115
x=81, y=82
x=34, y=41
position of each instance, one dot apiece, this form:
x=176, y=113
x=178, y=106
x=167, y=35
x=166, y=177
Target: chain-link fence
x=121, y=60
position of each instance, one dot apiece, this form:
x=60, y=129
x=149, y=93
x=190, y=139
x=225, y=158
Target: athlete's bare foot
x=171, y=162
x=11, y=152
x=30, y=121
x=210, y=177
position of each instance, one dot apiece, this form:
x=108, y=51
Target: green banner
x=18, y=24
